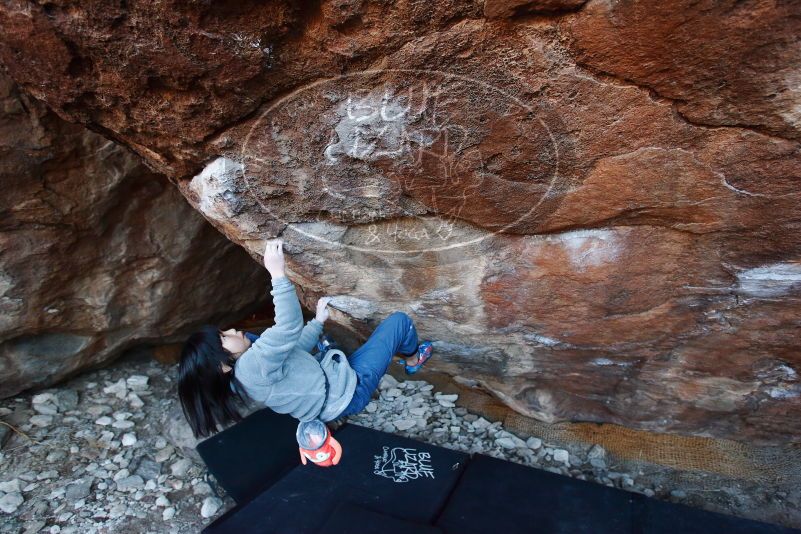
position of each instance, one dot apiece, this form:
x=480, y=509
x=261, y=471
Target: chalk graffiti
x=391, y=150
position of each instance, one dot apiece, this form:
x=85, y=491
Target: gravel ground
x=110, y=451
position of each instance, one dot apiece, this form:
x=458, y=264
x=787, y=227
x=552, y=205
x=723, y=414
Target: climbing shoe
x=424, y=352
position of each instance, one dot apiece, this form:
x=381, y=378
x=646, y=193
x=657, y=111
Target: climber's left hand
x=322, y=309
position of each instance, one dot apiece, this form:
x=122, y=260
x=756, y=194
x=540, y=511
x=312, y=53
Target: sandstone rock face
x=592, y=207
x=724, y=63
x=97, y=253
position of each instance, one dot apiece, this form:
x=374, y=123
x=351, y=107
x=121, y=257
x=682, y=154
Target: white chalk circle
x=405, y=156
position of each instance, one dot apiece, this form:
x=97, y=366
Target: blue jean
x=395, y=334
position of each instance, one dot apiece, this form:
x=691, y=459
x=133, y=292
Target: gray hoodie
x=279, y=371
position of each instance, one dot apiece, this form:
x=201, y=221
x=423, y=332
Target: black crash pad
x=379, y=472
x=498, y=496
x=252, y=454
x=349, y=518
x=661, y=517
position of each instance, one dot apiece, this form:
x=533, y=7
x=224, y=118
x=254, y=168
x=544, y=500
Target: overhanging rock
x=551, y=193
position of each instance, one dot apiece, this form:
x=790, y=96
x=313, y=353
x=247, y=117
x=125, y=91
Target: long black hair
x=204, y=389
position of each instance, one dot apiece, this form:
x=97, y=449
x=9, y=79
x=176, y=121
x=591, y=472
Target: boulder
x=591, y=207
x=97, y=253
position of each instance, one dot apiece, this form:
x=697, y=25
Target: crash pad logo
x=403, y=464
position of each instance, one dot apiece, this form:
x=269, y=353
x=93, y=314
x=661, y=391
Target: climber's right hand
x=274, y=257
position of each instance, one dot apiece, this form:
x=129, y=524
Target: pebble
x=135, y=401
x=210, y=506
x=42, y=421
x=598, y=463
x=128, y=439
x=10, y=502
x=162, y=501
x=123, y=424
x=132, y=482
x=506, y=443
x=561, y=455
x=47, y=475
x=387, y=381
x=148, y=469
x=32, y=527
x=80, y=489
x=404, y=424
x=116, y=511
x=533, y=443
x=179, y=468
x=55, y=456
x=10, y=486
x=393, y=392
x=66, y=399
x=98, y=409
x=118, y=389
x=43, y=398
x=137, y=382
x=201, y=488
x=481, y=423
x=103, y=421
x=168, y=513
x=164, y=454
x=64, y=517
x=45, y=408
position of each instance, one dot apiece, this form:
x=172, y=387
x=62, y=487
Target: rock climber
x=221, y=370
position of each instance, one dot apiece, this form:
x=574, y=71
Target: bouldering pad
x=379, y=472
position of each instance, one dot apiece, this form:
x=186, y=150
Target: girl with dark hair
x=221, y=370
x=210, y=394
